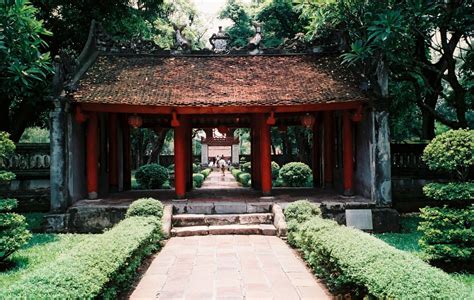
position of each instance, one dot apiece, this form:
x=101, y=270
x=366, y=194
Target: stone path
x=215, y=180
x=228, y=267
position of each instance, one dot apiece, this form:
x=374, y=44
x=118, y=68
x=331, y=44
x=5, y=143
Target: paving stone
x=189, y=220
x=222, y=219
x=199, y=208
x=259, y=207
x=268, y=229
x=256, y=218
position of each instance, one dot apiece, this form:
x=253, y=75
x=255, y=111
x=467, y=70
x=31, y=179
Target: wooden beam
x=150, y=109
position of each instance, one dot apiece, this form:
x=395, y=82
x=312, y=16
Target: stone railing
x=31, y=161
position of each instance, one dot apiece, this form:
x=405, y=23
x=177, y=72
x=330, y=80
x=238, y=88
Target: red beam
x=347, y=154
x=92, y=156
x=113, y=152
x=150, y=109
x=328, y=147
x=265, y=156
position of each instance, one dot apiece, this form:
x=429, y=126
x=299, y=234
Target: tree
x=241, y=30
x=425, y=44
x=24, y=66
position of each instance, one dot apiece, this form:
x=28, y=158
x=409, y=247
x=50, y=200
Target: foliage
x=198, y=179
x=35, y=135
x=407, y=238
x=206, y=172
x=355, y=262
x=241, y=31
x=145, y=207
x=452, y=151
x=295, y=174
x=275, y=169
x=246, y=167
x=152, y=176
x=196, y=168
x=100, y=266
x=447, y=233
x=13, y=228
x=24, y=65
x=453, y=191
x=236, y=173
x=301, y=211
x=244, y=179
x=41, y=250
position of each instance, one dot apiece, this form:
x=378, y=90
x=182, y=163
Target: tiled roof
x=216, y=81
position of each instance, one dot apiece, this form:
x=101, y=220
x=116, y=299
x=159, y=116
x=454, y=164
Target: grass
x=407, y=240
x=42, y=249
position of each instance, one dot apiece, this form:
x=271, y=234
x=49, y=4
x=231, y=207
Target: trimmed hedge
x=275, y=169
x=295, y=174
x=246, y=167
x=352, y=261
x=236, y=173
x=198, y=179
x=196, y=168
x=145, y=207
x=92, y=269
x=244, y=179
x=152, y=176
x=206, y=172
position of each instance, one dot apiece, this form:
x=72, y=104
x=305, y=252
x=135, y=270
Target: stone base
x=57, y=222
x=384, y=219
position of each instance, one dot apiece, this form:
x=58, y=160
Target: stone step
x=263, y=229
x=208, y=220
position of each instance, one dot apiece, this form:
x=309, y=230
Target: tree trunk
x=158, y=145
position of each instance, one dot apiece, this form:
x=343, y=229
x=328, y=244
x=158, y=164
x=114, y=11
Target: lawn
x=42, y=249
x=407, y=240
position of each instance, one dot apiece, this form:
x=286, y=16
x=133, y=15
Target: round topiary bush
x=275, y=169
x=196, y=168
x=244, y=179
x=246, y=167
x=145, y=207
x=152, y=176
x=295, y=174
x=452, y=151
x=198, y=179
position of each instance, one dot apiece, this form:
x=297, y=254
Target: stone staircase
x=231, y=220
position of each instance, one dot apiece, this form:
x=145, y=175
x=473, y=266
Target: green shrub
x=447, y=234
x=196, y=168
x=246, y=167
x=152, y=176
x=301, y=211
x=244, y=179
x=295, y=174
x=236, y=173
x=453, y=191
x=452, y=151
x=13, y=227
x=99, y=267
x=206, y=172
x=275, y=169
x=354, y=262
x=198, y=179
x=145, y=207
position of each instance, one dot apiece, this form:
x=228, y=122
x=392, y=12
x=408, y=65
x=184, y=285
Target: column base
x=348, y=193
x=180, y=199
x=92, y=195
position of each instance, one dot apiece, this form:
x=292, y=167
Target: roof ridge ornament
x=180, y=41
x=220, y=42
x=255, y=41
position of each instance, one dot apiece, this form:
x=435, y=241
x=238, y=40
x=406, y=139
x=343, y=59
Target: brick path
x=228, y=267
x=215, y=180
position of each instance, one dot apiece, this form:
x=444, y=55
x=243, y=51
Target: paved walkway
x=215, y=180
x=228, y=267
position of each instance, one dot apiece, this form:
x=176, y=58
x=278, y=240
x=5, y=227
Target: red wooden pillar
x=92, y=153
x=189, y=155
x=265, y=156
x=347, y=154
x=180, y=159
x=113, y=152
x=256, y=178
x=127, y=170
x=328, y=147
x=316, y=154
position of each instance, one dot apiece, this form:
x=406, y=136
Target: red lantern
x=223, y=129
x=308, y=120
x=135, y=121
x=271, y=119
